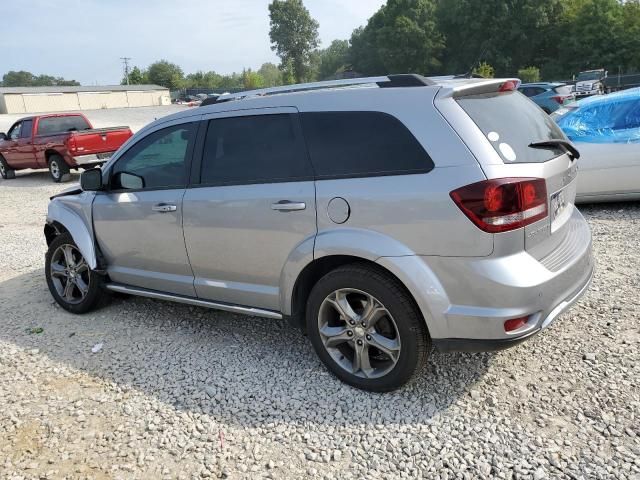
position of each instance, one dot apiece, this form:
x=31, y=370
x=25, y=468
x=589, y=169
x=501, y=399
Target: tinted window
x=511, y=122
x=14, y=133
x=53, y=125
x=27, y=125
x=159, y=159
x=362, y=144
x=531, y=91
x=254, y=149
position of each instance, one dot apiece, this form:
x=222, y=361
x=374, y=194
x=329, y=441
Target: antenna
x=125, y=61
x=483, y=52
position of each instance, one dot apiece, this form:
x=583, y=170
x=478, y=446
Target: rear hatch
x=100, y=141
x=499, y=125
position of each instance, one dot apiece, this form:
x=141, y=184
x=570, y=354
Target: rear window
x=358, y=144
x=511, y=122
x=53, y=125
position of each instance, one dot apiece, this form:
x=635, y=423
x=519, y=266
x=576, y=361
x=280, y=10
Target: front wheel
x=71, y=281
x=6, y=171
x=59, y=169
x=366, y=328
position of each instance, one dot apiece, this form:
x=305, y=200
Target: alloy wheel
x=359, y=333
x=70, y=274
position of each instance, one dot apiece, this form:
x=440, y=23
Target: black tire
x=6, y=171
x=91, y=280
x=414, y=341
x=58, y=169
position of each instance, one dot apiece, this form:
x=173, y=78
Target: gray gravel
x=182, y=392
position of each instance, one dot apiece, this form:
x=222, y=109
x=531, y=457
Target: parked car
x=60, y=142
x=548, y=96
x=606, y=130
x=378, y=226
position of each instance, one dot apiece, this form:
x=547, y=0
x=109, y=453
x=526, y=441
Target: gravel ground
x=136, y=118
x=183, y=392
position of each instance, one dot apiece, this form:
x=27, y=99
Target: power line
x=125, y=61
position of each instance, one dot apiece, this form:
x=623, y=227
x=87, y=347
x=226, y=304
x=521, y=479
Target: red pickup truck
x=59, y=142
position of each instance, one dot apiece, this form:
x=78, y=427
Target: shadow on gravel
x=35, y=178
x=240, y=370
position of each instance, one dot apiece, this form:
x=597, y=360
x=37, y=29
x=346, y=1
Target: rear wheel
x=71, y=281
x=58, y=169
x=6, y=172
x=366, y=328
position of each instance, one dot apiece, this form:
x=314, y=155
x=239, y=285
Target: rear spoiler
x=461, y=88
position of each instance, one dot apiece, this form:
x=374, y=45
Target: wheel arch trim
x=75, y=225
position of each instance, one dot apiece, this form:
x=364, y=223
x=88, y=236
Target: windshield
x=511, y=122
x=590, y=76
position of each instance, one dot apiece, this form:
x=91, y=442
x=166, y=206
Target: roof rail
x=404, y=80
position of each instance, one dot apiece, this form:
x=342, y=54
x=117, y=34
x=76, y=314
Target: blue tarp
x=613, y=118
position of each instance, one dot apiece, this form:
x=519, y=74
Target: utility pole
x=125, y=61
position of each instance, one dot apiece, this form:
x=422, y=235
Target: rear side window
x=511, y=122
x=54, y=125
x=358, y=144
x=254, y=149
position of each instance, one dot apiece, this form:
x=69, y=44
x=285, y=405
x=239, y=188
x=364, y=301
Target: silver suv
x=382, y=215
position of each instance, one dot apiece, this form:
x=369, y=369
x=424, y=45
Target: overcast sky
x=83, y=39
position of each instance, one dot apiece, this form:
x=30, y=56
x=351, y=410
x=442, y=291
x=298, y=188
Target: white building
x=60, y=99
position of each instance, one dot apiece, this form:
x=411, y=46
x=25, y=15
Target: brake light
x=503, y=204
x=509, y=86
x=560, y=99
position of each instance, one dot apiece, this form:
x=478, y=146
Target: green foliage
x=529, y=74
x=28, y=79
x=166, y=74
x=203, y=80
x=403, y=36
x=294, y=36
x=271, y=75
x=332, y=59
x=252, y=80
x=136, y=77
x=485, y=70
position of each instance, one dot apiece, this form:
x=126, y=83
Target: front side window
x=67, y=123
x=159, y=160
x=14, y=133
x=358, y=144
x=254, y=149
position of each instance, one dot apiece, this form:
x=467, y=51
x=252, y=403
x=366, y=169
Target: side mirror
x=128, y=181
x=91, y=180
x=3, y=136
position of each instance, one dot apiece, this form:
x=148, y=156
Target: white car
x=606, y=131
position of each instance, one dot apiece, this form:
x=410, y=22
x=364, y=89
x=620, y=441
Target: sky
x=83, y=40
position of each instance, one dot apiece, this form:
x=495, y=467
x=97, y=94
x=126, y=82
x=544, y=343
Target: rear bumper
x=92, y=159
x=492, y=345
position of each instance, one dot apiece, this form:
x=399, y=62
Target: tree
x=136, y=77
x=271, y=74
x=294, y=35
x=484, y=70
x=332, y=58
x=28, y=79
x=401, y=37
x=252, y=80
x=166, y=74
x=529, y=74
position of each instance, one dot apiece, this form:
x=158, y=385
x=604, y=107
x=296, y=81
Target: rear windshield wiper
x=555, y=143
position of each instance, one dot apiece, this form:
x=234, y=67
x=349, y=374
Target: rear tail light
x=503, y=204
x=515, y=324
x=72, y=145
x=560, y=99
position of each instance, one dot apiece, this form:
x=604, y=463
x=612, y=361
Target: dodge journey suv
x=381, y=215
